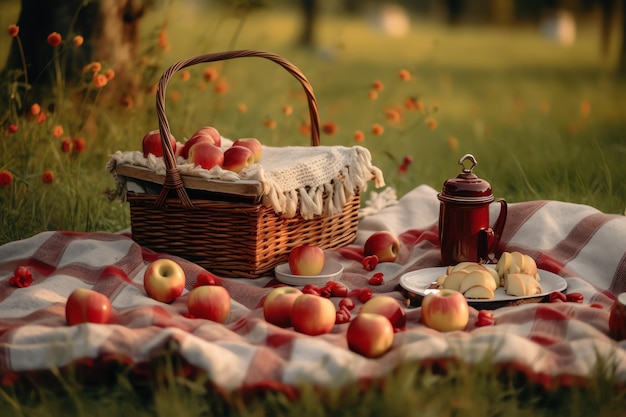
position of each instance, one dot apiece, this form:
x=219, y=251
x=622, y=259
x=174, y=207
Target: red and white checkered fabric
x=551, y=343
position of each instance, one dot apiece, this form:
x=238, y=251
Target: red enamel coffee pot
x=464, y=227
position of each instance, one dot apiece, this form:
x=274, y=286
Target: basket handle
x=173, y=178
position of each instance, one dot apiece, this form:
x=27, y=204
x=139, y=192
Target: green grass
x=505, y=95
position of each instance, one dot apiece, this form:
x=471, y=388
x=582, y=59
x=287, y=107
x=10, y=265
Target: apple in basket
x=87, y=306
x=205, y=134
x=370, y=335
x=253, y=144
x=445, y=310
x=237, y=158
x=383, y=244
x=164, y=280
x=307, y=260
x=278, y=305
x=151, y=144
x=388, y=307
x=313, y=315
x=206, y=155
x=210, y=302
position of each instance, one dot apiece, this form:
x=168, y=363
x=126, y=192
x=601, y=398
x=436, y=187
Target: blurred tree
x=110, y=29
x=309, y=12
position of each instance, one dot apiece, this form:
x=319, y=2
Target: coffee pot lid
x=466, y=187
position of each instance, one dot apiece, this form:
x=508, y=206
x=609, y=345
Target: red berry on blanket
x=596, y=305
x=340, y=291
x=370, y=335
x=387, y=307
x=557, y=297
x=384, y=245
x=22, y=277
x=87, y=306
x=347, y=303
x=326, y=292
x=485, y=321
x=210, y=302
x=311, y=289
x=485, y=314
x=365, y=295
x=574, y=297
x=164, y=280
x=207, y=278
x=370, y=262
x=376, y=279
x=342, y=316
x=278, y=305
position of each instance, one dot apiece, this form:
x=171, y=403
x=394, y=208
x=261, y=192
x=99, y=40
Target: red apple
x=253, y=144
x=237, y=158
x=151, y=144
x=87, y=306
x=445, y=310
x=210, y=302
x=385, y=245
x=306, y=260
x=206, y=155
x=278, y=305
x=164, y=280
x=206, y=134
x=388, y=307
x=370, y=335
x=313, y=315
x=617, y=318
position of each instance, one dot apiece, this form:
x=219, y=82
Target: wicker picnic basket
x=224, y=227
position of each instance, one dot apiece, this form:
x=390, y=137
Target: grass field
x=543, y=120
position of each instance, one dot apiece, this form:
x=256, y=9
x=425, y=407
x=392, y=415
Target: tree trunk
x=110, y=31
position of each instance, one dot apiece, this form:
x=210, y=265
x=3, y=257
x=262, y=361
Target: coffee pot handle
x=488, y=239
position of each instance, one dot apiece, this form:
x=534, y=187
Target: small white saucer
x=331, y=272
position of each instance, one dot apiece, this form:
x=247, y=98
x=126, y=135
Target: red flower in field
x=453, y=143
x=110, y=74
x=287, y=110
x=407, y=160
x=378, y=85
x=330, y=128
x=66, y=145
x=403, y=168
x=373, y=95
x=14, y=30
x=305, y=128
x=242, y=107
x=57, y=131
x=404, y=75
x=79, y=145
x=269, y=123
x=78, y=40
x=47, y=177
x=54, y=39
x=210, y=74
x=431, y=123
x=378, y=129
x=13, y=127
x=221, y=87
x=100, y=80
x=41, y=117
x=35, y=109
x=93, y=67
x=185, y=75
x=6, y=178
x=22, y=277
x=585, y=108
x=163, y=40
x=393, y=115
x=359, y=136
x=175, y=95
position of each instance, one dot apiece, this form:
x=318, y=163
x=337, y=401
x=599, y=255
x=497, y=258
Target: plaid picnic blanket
x=552, y=343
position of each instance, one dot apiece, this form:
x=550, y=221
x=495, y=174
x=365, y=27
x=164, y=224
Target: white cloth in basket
x=309, y=180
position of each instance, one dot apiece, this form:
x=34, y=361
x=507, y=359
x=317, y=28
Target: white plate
x=419, y=281
x=331, y=272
